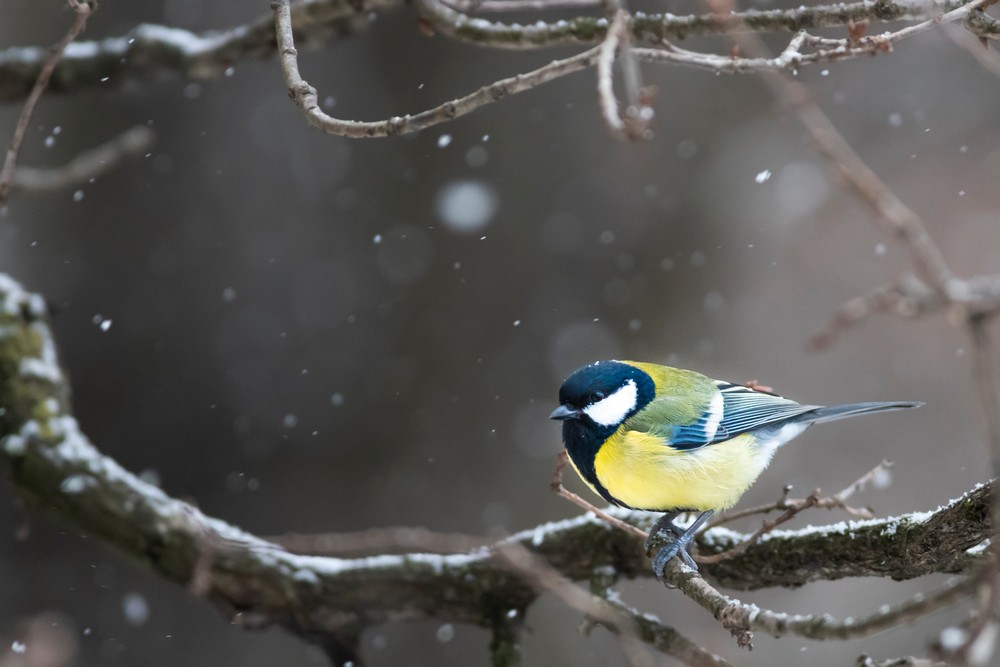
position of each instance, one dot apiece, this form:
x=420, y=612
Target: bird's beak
x=564, y=412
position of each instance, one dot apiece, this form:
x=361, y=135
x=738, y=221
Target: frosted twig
x=82, y=10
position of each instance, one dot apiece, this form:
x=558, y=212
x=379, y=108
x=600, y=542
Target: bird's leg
x=677, y=541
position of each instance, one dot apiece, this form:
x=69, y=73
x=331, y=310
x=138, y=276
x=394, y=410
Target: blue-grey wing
x=736, y=409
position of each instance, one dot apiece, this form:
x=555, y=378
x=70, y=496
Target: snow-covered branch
x=48, y=459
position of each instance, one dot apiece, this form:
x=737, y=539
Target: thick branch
x=904, y=547
x=50, y=461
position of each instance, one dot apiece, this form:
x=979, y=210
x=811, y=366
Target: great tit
x=651, y=437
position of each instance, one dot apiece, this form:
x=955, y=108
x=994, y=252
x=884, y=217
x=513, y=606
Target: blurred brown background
x=309, y=333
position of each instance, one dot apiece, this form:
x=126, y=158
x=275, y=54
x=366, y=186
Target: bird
x=656, y=438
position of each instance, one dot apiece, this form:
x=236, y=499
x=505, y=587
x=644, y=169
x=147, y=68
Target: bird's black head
x=594, y=401
x=599, y=397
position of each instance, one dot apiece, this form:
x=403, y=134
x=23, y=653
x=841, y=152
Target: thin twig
x=605, y=80
x=840, y=498
x=82, y=9
x=638, y=115
x=88, y=164
x=836, y=501
x=743, y=619
x=638, y=109
x=562, y=459
x=306, y=97
x=907, y=297
x=977, y=47
x=781, y=504
x=766, y=527
x=545, y=578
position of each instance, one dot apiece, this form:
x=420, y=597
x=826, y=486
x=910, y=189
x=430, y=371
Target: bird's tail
x=832, y=412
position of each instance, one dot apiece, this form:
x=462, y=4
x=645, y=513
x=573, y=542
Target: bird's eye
x=596, y=396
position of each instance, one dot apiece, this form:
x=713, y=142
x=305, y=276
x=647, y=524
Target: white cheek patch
x=612, y=410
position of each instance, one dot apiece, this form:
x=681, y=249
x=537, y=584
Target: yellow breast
x=642, y=472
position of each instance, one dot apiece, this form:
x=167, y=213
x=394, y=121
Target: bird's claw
x=676, y=543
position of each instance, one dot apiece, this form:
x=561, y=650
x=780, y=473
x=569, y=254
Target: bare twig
x=638, y=112
x=87, y=165
x=907, y=297
x=305, y=96
x=840, y=498
x=629, y=626
x=781, y=504
x=605, y=80
x=82, y=9
x=977, y=47
x=562, y=459
x=544, y=578
x=742, y=619
x=836, y=501
x=766, y=527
